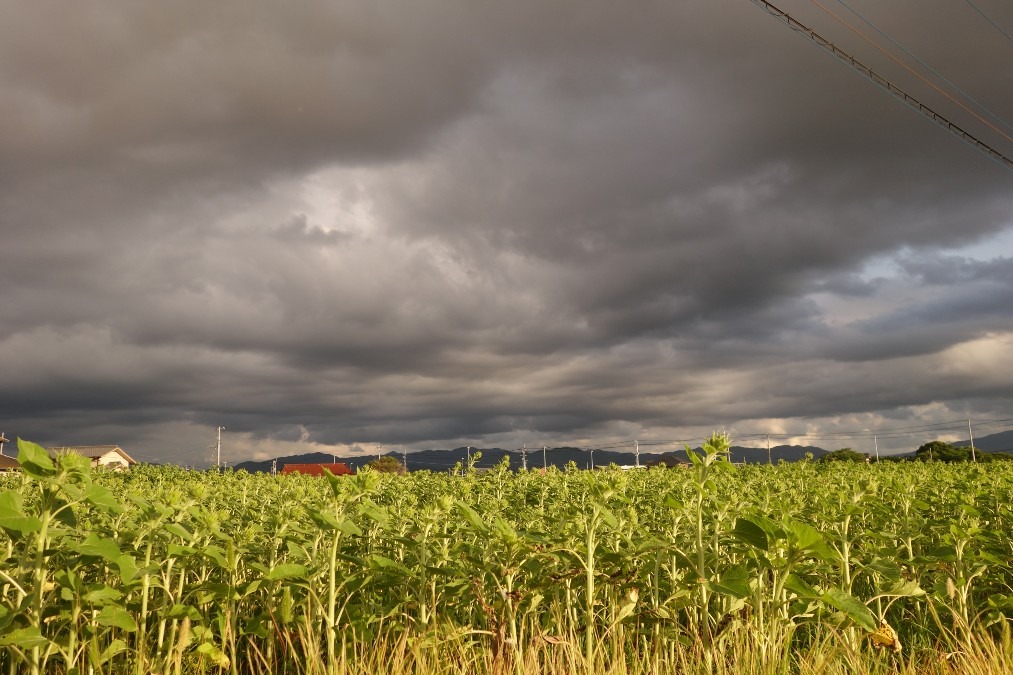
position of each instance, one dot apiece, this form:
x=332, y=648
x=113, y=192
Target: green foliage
x=844, y=455
x=938, y=451
x=164, y=570
x=386, y=464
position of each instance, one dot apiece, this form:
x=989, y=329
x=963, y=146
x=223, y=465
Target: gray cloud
x=339, y=224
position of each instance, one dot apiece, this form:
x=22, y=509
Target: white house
x=102, y=456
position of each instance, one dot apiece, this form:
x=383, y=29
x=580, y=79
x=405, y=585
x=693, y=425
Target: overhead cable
x=913, y=71
x=898, y=45
x=885, y=84
x=989, y=19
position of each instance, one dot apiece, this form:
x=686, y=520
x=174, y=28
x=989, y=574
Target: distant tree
x=938, y=451
x=844, y=455
x=386, y=464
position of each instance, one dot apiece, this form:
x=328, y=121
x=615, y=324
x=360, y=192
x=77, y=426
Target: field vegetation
x=835, y=567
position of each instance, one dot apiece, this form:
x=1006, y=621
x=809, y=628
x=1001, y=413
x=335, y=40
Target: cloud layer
x=422, y=224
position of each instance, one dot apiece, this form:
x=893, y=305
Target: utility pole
x=636, y=445
x=274, y=467
x=545, y=463
x=404, y=456
x=875, y=440
x=592, y=459
x=469, y=455
x=524, y=457
x=769, y=459
x=219, y=460
x=970, y=434
x=3, y=439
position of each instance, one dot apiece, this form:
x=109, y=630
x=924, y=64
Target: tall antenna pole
x=883, y=83
x=219, y=460
x=970, y=434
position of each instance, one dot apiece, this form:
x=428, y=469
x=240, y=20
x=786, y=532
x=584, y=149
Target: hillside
x=445, y=460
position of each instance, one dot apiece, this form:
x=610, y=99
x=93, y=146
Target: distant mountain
x=309, y=458
x=445, y=460
x=741, y=455
x=1000, y=442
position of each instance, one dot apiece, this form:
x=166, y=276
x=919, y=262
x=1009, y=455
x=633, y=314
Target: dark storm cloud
x=358, y=222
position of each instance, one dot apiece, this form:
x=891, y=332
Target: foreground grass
x=739, y=652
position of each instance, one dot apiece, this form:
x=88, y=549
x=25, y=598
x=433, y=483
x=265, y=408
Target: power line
x=911, y=70
x=884, y=83
x=989, y=19
x=981, y=106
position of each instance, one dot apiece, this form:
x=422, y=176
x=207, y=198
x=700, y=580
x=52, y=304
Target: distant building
x=336, y=469
x=9, y=464
x=102, y=456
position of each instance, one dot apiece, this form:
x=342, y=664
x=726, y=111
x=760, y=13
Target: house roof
x=8, y=463
x=96, y=451
x=337, y=469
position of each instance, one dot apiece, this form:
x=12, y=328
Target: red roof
x=338, y=469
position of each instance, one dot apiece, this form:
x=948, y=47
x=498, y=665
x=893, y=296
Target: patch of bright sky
x=998, y=245
x=893, y=288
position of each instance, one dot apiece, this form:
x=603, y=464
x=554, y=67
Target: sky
x=336, y=224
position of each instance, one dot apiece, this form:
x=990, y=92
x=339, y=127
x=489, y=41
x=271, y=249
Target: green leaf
x=127, y=566
x=736, y=588
x=100, y=547
x=216, y=554
x=625, y=611
x=803, y=536
x=800, y=587
x=288, y=571
x=115, y=647
x=905, y=589
x=25, y=638
x=35, y=460
x=606, y=515
x=734, y=582
x=751, y=533
x=179, y=531
x=471, y=516
x=673, y=502
x=212, y=652
x=851, y=606
x=103, y=499
x=102, y=595
x=116, y=617
x=889, y=569
x=350, y=528
x=323, y=519
x=808, y=538
x=13, y=518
